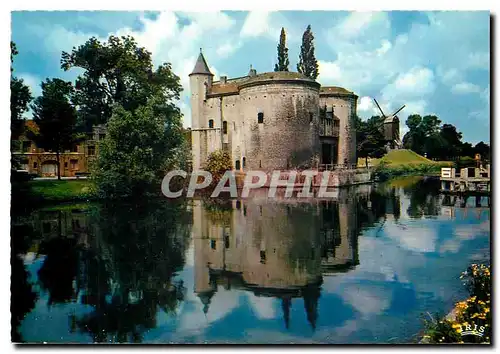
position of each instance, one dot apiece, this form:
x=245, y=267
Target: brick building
x=277, y=120
x=37, y=161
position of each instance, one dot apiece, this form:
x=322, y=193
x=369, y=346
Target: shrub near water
x=473, y=313
x=218, y=162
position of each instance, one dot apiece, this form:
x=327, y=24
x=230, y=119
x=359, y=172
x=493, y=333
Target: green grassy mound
x=53, y=190
x=404, y=157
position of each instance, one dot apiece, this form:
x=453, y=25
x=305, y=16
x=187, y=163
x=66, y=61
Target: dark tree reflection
x=22, y=295
x=127, y=273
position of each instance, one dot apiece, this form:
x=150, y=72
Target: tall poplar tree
x=283, y=61
x=308, y=65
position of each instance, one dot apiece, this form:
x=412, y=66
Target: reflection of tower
x=339, y=246
x=273, y=253
x=311, y=296
x=286, y=303
x=204, y=288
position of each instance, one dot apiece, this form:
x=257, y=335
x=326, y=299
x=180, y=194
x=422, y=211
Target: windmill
x=391, y=127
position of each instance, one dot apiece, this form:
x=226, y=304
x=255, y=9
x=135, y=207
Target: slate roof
x=201, y=66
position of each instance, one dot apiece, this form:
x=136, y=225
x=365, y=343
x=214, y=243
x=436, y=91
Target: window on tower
x=210, y=123
x=224, y=127
x=260, y=117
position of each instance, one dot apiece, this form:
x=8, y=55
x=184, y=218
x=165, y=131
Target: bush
x=473, y=313
x=218, y=162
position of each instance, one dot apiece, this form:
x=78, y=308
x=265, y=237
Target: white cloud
x=479, y=60
x=366, y=104
x=33, y=81
x=227, y=49
x=263, y=306
x=464, y=88
x=329, y=71
x=268, y=24
x=416, y=82
x=256, y=24
x=449, y=76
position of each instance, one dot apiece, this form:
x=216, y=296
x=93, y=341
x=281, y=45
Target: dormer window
x=210, y=123
x=260, y=117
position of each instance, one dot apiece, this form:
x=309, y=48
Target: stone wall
x=288, y=136
x=344, y=107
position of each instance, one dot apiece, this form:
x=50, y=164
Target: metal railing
x=332, y=167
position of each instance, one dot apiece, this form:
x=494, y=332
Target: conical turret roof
x=201, y=66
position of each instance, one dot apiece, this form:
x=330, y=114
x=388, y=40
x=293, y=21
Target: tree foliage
x=116, y=72
x=20, y=97
x=308, y=65
x=218, y=162
x=423, y=136
x=370, y=138
x=427, y=136
x=140, y=146
x=283, y=61
x=55, y=117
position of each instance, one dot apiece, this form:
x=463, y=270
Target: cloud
x=227, y=49
x=366, y=104
x=329, y=71
x=268, y=25
x=464, y=88
x=33, y=81
x=417, y=82
x=256, y=24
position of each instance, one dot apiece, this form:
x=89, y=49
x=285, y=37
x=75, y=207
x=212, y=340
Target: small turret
x=200, y=84
x=201, y=66
x=252, y=71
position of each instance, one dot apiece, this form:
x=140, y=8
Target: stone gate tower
x=200, y=82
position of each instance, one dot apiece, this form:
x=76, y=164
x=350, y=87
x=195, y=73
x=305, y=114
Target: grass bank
x=60, y=191
x=406, y=162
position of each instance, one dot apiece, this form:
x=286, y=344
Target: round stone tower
x=280, y=112
x=200, y=81
x=343, y=105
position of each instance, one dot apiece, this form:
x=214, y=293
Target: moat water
x=365, y=267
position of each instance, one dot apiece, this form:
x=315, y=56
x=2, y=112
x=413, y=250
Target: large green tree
x=423, y=135
x=283, y=61
x=370, y=138
x=55, y=116
x=483, y=149
x=308, y=65
x=117, y=71
x=20, y=97
x=141, y=145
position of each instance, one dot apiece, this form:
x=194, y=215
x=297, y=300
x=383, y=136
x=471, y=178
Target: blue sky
x=434, y=62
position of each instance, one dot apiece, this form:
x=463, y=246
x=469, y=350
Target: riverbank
x=384, y=172
x=470, y=320
x=60, y=191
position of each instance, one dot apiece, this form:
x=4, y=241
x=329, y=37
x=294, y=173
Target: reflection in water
x=118, y=259
x=116, y=273
x=275, y=248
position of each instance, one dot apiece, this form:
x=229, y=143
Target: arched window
x=210, y=123
x=224, y=127
x=260, y=117
x=237, y=164
x=244, y=162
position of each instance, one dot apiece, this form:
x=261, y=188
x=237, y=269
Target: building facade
x=36, y=161
x=276, y=120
